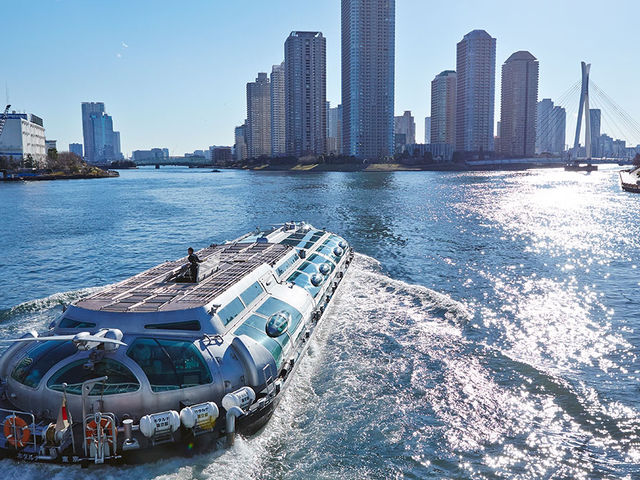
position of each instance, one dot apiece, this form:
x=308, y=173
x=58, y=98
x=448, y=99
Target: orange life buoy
x=16, y=431
x=106, y=429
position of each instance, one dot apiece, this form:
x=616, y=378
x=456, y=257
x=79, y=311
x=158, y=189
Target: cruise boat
x=630, y=180
x=164, y=363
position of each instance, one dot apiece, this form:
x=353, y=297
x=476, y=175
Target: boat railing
x=102, y=443
x=87, y=386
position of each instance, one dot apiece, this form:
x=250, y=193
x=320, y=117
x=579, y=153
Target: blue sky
x=173, y=74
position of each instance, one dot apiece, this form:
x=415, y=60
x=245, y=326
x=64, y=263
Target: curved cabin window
x=254, y=328
x=304, y=281
x=328, y=252
x=251, y=293
x=308, y=268
x=231, y=311
x=40, y=358
x=189, y=326
x=67, y=322
x=119, y=378
x=273, y=305
x=287, y=264
x=170, y=364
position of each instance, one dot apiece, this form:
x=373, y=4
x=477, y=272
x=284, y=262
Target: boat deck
x=151, y=291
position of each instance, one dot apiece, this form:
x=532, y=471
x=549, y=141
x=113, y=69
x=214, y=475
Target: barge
x=171, y=361
x=577, y=167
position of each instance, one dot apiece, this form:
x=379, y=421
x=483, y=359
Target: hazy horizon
x=175, y=77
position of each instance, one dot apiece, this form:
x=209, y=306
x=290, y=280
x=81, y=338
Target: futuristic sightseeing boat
x=164, y=364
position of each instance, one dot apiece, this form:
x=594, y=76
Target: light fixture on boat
x=338, y=251
x=324, y=269
x=316, y=279
x=277, y=324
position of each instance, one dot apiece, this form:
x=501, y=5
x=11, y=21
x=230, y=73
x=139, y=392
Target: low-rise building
x=440, y=152
x=23, y=138
x=155, y=155
x=221, y=155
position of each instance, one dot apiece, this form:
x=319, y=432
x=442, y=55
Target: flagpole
x=64, y=396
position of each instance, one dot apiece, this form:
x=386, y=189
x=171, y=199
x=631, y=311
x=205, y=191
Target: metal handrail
x=86, y=388
x=101, y=436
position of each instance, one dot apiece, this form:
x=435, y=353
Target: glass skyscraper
x=101, y=143
x=88, y=109
x=368, y=69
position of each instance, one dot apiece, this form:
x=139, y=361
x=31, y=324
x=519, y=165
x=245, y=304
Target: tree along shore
x=57, y=166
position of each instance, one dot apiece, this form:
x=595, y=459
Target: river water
x=488, y=328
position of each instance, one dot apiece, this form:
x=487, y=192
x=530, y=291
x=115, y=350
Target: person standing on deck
x=193, y=265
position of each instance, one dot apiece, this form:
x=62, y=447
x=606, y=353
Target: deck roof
x=149, y=291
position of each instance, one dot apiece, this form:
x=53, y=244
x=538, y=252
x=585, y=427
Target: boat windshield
x=119, y=378
x=40, y=358
x=170, y=364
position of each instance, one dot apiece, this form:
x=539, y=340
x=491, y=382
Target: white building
x=278, y=124
x=427, y=130
x=334, y=129
x=405, y=125
x=23, y=136
x=551, y=128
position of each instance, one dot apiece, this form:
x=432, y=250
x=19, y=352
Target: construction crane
x=3, y=119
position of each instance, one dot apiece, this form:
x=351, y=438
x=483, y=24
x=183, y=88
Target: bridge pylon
x=584, y=110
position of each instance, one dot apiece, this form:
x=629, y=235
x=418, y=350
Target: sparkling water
x=488, y=327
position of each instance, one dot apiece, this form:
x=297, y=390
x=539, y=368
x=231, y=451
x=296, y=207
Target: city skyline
x=173, y=68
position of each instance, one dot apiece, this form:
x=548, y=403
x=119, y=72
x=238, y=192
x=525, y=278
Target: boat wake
x=394, y=385
x=36, y=314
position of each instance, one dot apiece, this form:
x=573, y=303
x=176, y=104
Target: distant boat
x=630, y=180
x=576, y=167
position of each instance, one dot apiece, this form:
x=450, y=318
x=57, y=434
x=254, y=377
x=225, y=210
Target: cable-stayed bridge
x=604, y=133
